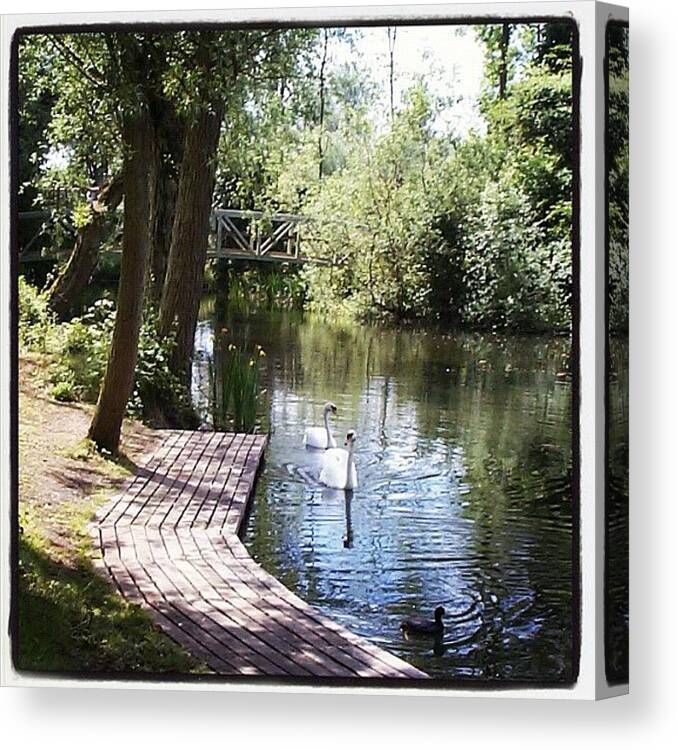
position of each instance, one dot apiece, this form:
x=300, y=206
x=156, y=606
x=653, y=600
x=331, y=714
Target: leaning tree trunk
x=117, y=383
x=66, y=289
x=188, y=249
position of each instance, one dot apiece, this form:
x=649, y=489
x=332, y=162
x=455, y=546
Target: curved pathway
x=170, y=541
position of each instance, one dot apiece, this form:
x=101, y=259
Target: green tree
x=225, y=67
x=126, y=71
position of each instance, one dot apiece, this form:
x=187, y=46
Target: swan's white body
x=338, y=467
x=321, y=437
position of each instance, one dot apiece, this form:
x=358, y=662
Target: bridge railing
x=257, y=235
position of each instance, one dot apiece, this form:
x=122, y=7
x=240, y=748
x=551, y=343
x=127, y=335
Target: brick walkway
x=171, y=543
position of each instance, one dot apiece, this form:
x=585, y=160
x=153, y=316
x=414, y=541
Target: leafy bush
x=511, y=272
x=64, y=391
x=82, y=352
x=158, y=394
x=377, y=217
x=36, y=322
x=79, y=353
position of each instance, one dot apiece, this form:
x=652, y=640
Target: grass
x=71, y=618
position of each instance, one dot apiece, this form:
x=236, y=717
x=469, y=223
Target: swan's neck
x=327, y=429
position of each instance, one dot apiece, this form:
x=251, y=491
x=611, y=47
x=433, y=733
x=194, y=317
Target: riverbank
x=70, y=618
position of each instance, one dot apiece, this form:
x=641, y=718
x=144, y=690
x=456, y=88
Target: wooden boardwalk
x=170, y=541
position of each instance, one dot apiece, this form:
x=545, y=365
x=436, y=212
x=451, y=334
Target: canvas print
x=297, y=367
x=617, y=369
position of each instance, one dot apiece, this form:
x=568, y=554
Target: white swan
x=338, y=467
x=321, y=437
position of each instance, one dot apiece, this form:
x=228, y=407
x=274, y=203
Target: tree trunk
x=66, y=289
x=138, y=141
x=321, y=118
x=163, y=205
x=188, y=249
x=169, y=131
x=503, y=66
x=391, y=66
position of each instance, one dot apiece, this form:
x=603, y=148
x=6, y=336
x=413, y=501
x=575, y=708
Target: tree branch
x=77, y=61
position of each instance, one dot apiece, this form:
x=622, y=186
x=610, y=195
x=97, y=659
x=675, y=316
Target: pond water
x=617, y=512
x=464, y=498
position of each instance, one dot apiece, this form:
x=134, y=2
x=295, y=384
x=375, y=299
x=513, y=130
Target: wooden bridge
x=171, y=543
x=254, y=235
x=236, y=234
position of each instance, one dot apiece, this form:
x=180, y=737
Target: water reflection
x=464, y=460
x=617, y=507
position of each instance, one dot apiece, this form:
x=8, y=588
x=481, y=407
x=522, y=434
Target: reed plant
x=235, y=389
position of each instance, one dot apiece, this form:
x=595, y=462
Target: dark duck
x=422, y=626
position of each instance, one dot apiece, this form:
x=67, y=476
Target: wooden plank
x=171, y=482
x=134, y=485
x=220, y=496
x=329, y=631
x=187, y=493
x=296, y=622
x=205, y=487
x=140, y=498
x=176, y=590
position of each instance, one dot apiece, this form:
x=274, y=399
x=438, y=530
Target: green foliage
x=35, y=103
x=75, y=90
x=64, y=390
x=64, y=79
x=476, y=232
x=82, y=352
x=507, y=266
x=409, y=221
x=79, y=351
x=157, y=390
x=82, y=215
x=268, y=156
x=375, y=220
x=36, y=321
x=618, y=178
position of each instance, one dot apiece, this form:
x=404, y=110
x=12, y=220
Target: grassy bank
x=70, y=618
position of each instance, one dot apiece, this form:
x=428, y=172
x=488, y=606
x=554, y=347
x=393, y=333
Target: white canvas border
x=591, y=18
